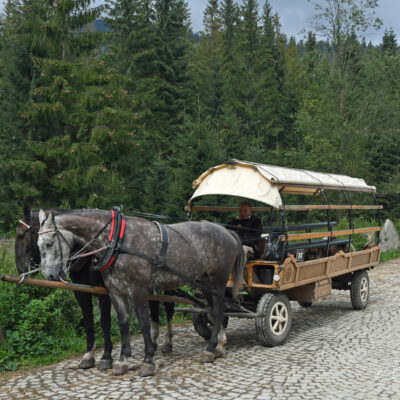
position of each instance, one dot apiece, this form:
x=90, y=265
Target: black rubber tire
x=268, y=305
x=203, y=326
x=359, y=290
x=305, y=304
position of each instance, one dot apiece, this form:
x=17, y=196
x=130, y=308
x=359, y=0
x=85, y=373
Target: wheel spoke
x=364, y=289
x=275, y=326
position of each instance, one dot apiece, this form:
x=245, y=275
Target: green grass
x=389, y=255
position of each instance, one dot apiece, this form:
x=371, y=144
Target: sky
x=294, y=16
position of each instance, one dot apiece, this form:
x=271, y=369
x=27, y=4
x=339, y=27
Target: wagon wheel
x=359, y=290
x=203, y=325
x=273, y=325
x=305, y=304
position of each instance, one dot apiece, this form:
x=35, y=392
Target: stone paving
x=332, y=352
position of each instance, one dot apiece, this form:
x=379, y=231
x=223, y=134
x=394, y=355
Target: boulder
x=389, y=237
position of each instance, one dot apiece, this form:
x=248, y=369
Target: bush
x=41, y=325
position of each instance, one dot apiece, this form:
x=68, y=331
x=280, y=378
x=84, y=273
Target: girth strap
x=157, y=262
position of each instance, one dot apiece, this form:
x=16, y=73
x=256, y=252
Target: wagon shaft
x=85, y=288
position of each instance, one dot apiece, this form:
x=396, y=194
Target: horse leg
x=155, y=318
x=105, y=322
x=122, y=309
x=142, y=312
x=85, y=303
x=218, y=338
x=169, y=309
x=220, y=352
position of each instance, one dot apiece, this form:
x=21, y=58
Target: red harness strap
x=115, y=239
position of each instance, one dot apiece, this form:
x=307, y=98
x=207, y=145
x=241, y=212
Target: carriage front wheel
x=359, y=290
x=202, y=323
x=274, y=320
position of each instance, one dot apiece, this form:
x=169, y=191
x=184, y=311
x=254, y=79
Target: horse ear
x=27, y=212
x=42, y=217
x=51, y=217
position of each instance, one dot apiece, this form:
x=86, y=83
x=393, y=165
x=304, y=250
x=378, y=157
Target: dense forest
x=132, y=115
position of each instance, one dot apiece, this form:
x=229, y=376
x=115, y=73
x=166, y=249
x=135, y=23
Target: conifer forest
x=131, y=114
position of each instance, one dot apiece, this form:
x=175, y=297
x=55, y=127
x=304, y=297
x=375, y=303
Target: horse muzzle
x=54, y=273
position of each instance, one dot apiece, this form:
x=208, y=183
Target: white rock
x=389, y=237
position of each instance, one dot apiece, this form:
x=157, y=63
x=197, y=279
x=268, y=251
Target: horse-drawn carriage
x=133, y=256
x=308, y=264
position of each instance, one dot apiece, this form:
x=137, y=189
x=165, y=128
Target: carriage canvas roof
x=263, y=183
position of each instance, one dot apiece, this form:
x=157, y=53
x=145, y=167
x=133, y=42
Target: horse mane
x=73, y=212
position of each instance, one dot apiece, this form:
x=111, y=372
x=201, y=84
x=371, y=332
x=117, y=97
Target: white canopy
x=263, y=183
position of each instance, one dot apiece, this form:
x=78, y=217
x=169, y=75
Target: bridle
x=79, y=254
x=59, y=235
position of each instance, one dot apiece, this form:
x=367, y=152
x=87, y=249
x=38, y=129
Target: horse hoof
x=104, y=365
x=86, y=363
x=219, y=353
x=120, y=368
x=166, y=348
x=208, y=357
x=147, y=369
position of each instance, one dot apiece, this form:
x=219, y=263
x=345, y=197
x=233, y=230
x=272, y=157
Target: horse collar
x=115, y=239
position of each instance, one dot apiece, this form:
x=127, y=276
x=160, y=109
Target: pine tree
x=45, y=36
x=269, y=96
x=17, y=172
x=249, y=40
x=389, y=42
x=207, y=63
x=293, y=91
x=311, y=56
x=172, y=23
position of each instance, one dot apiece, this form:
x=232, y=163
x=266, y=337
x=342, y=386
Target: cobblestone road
x=332, y=352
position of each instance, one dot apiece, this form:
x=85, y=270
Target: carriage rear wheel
x=273, y=324
x=203, y=324
x=359, y=290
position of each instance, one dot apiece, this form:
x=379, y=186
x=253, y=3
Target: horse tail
x=238, y=269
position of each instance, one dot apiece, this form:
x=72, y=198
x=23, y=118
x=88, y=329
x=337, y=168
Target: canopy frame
x=303, y=189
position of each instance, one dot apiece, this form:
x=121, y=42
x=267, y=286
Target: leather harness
x=115, y=246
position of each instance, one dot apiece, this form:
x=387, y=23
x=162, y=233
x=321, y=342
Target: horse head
x=26, y=250
x=55, y=246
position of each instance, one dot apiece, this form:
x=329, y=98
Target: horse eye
x=49, y=244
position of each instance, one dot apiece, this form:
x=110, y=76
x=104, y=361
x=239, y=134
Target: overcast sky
x=294, y=16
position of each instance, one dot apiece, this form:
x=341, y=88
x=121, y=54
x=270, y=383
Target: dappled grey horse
x=27, y=257
x=203, y=251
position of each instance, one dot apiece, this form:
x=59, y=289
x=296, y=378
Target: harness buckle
x=159, y=262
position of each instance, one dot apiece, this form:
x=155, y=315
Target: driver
x=248, y=227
